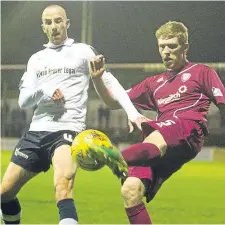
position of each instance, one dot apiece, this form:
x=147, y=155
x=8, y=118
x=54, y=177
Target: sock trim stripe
x=68, y=221
x=132, y=211
x=11, y=218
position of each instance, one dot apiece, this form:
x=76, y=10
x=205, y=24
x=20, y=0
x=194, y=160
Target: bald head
x=55, y=23
x=54, y=9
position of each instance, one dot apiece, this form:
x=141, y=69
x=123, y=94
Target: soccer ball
x=85, y=145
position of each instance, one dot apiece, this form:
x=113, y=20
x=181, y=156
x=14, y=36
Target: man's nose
x=54, y=27
x=166, y=50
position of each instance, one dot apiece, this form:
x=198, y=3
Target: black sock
x=67, y=209
x=11, y=212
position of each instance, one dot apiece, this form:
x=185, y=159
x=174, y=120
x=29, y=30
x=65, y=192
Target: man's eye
x=173, y=46
x=58, y=21
x=48, y=22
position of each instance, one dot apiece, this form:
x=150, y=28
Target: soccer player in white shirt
x=56, y=80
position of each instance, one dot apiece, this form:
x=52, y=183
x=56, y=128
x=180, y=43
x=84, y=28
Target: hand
x=58, y=97
x=97, y=66
x=137, y=123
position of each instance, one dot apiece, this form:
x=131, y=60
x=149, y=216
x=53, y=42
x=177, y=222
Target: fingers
x=97, y=66
x=131, y=127
x=138, y=122
x=141, y=120
x=58, y=96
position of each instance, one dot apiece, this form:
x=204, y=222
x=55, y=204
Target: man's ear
x=186, y=47
x=43, y=28
x=68, y=23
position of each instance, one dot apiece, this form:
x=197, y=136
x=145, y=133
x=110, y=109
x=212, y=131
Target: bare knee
x=13, y=180
x=64, y=172
x=6, y=194
x=158, y=140
x=132, y=191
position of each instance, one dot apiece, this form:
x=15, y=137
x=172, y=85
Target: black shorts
x=35, y=149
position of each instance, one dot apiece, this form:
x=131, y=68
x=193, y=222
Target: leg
x=153, y=147
x=64, y=174
x=133, y=191
x=13, y=180
x=156, y=144
x=141, y=154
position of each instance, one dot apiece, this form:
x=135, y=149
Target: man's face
x=55, y=24
x=172, y=52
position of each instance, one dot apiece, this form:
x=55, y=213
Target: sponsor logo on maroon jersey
x=172, y=97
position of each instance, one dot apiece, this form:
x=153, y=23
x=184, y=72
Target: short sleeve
x=213, y=86
x=29, y=78
x=142, y=96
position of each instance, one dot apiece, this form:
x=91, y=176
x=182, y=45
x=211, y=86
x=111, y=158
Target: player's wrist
x=97, y=78
x=133, y=115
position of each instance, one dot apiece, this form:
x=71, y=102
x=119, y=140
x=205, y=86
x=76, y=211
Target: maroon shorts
x=184, y=140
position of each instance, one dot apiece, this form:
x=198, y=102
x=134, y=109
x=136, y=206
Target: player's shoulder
x=84, y=49
x=203, y=70
x=201, y=66
x=197, y=71
x=82, y=46
x=157, y=78
x=151, y=81
x=37, y=55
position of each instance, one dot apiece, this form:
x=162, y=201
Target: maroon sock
x=140, y=154
x=138, y=214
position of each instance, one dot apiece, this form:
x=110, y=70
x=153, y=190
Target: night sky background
x=122, y=31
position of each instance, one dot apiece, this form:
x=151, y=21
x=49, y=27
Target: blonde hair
x=173, y=29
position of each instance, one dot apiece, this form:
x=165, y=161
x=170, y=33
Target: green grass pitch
x=195, y=194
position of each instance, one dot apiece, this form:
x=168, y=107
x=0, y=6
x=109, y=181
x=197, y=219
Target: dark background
x=122, y=31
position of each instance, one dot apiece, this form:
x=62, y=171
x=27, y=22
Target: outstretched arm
x=104, y=82
x=111, y=91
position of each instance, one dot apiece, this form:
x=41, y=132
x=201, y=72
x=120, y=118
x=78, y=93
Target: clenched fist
x=58, y=97
x=97, y=66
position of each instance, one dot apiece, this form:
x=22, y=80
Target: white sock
x=68, y=221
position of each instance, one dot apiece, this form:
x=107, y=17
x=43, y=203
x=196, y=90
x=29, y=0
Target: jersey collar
x=68, y=42
x=170, y=73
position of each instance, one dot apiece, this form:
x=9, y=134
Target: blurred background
x=124, y=32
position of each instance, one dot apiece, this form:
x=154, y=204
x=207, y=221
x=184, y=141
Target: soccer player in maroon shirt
x=181, y=96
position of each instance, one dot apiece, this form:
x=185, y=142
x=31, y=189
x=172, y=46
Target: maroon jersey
x=185, y=95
